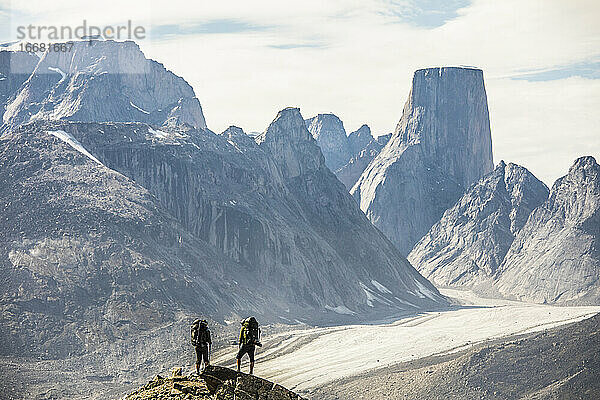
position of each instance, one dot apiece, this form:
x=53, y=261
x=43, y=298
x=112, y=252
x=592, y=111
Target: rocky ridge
x=555, y=258
x=469, y=243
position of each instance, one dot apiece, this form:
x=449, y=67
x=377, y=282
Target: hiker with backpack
x=249, y=339
x=202, y=342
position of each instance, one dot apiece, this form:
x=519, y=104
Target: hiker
x=249, y=339
x=201, y=341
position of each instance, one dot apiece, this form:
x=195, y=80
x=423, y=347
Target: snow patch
x=74, y=143
x=138, y=108
x=58, y=70
x=372, y=296
x=425, y=291
x=158, y=133
x=380, y=287
x=341, y=310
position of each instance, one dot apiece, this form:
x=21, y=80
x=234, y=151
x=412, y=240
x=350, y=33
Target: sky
x=247, y=60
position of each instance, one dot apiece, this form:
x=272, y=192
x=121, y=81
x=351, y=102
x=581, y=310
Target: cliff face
x=104, y=81
x=15, y=68
x=441, y=145
x=468, y=244
x=555, y=258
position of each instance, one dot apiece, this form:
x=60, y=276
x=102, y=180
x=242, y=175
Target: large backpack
x=251, y=331
x=199, y=332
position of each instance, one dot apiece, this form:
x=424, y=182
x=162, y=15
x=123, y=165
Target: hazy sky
x=246, y=60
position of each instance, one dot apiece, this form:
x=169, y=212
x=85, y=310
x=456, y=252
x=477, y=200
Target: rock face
x=101, y=81
x=349, y=173
x=441, y=145
x=328, y=130
x=215, y=383
x=555, y=258
x=467, y=246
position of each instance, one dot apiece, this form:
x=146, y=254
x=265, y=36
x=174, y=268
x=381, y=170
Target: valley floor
x=308, y=359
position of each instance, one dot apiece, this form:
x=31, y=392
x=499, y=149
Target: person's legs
x=240, y=354
x=251, y=355
x=198, y=359
x=204, y=357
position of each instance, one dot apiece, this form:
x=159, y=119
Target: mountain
x=468, y=244
x=100, y=81
x=215, y=383
x=555, y=258
x=441, y=145
x=359, y=139
x=328, y=130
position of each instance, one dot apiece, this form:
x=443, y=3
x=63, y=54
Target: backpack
x=199, y=332
x=251, y=331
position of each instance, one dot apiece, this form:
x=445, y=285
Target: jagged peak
x=233, y=130
x=288, y=124
x=363, y=130
x=291, y=144
x=325, y=124
x=583, y=163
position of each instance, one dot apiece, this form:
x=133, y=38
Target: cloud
x=425, y=13
x=217, y=26
x=590, y=70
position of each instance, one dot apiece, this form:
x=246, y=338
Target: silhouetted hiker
x=249, y=339
x=201, y=341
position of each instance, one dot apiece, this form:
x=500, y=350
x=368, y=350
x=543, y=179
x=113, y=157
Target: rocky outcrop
x=441, y=145
x=215, y=383
x=555, y=258
x=104, y=81
x=329, y=132
x=467, y=246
